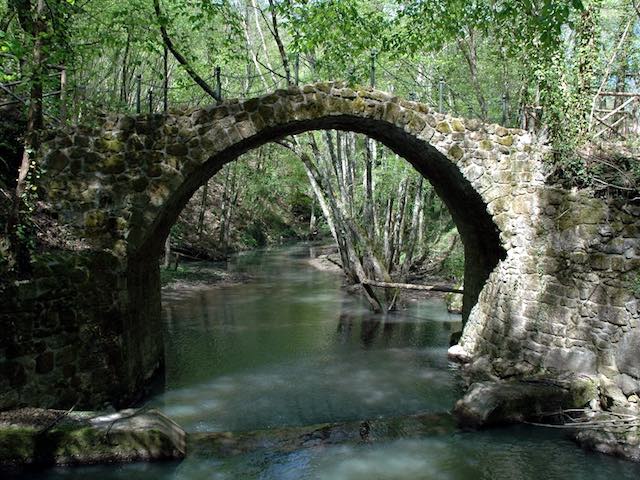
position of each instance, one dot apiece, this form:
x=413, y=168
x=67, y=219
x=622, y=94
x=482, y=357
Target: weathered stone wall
x=566, y=298
x=66, y=335
x=560, y=265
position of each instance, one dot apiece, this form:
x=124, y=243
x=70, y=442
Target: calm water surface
x=291, y=349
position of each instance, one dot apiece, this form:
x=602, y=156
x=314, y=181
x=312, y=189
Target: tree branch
x=179, y=57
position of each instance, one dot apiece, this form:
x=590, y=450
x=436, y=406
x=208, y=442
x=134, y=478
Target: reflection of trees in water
x=369, y=329
x=401, y=328
x=167, y=311
x=377, y=329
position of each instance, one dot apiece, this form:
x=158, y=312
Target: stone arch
x=480, y=235
x=121, y=184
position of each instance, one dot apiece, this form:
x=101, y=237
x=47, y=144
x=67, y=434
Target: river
x=291, y=348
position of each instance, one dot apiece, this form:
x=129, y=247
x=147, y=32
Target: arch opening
x=479, y=234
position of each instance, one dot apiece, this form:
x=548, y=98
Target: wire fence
x=615, y=115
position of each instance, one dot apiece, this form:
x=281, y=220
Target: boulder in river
x=52, y=437
x=511, y=401
x=617, y=436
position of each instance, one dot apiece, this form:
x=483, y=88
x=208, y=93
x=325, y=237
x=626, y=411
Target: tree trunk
x=263, y=41
x=468, y=48
x=278, y=39
x=203, y=208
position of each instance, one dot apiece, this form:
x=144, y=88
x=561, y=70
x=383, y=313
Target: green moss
x=636, y=286
x=113, y=164
x=457, y=125
x=443, y=127
x=456, y=152
x=587, y=213
x=506, y=141
x=486, y=145
x=17, y=445
x=84, y=444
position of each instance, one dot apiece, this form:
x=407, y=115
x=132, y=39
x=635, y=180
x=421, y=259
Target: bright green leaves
x=339, y=34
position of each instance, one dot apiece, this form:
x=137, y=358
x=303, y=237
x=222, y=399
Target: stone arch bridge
x=549, y=273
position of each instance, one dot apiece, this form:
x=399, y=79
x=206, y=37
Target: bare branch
x=178, y=56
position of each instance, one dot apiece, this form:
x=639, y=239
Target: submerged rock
x=51, y=437
x=621, y=441
x=288, y=439
x=510, y=401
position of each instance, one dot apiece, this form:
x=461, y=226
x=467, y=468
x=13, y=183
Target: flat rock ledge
x=543, y=399
x=37, y=437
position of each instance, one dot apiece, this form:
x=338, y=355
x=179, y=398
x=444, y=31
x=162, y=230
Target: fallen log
x=412, y=286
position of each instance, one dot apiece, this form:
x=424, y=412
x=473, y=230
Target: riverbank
x=200, y=275
x=597, y=414
x=329, y=261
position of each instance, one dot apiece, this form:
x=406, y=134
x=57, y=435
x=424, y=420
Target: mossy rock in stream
x=87, y=438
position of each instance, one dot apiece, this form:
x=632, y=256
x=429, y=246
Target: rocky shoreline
x=596, y=411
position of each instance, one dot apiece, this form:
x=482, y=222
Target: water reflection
x=293, y=349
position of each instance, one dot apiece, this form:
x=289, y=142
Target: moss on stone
x=72, y=444
x=94, y=218
x=443, y=127
x=457, y=125
x=507, y=140
x=456, y=152
x=113, y=164
x=486, y=144
x=16, y=445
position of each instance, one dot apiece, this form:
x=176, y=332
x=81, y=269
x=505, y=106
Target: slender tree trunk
x=278, y=39
x=167, y=251
x=368, y=190
x=223, y=209
x=124, y=87
x=469, y=50
x=250, y=50
x=414, y=229
x=263, y=41
x=312, y=220
x=34, y=24
x=203, y=208
x=35, y=113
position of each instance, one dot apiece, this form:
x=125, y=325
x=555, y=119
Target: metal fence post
x=138, y=92
x=218, y=84
x=504, y=109
x=441, y=92
x=150, y=93
x=373, y=67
